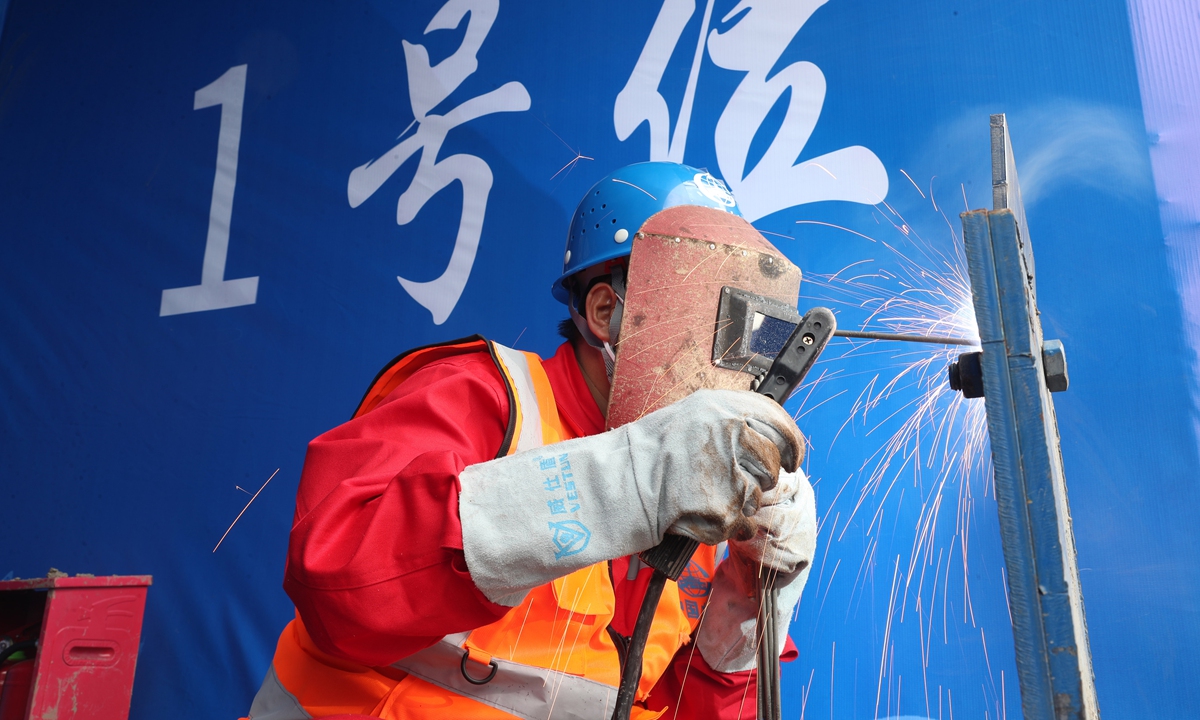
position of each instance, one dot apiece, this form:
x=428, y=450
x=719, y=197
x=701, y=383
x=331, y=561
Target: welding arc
x=931, y=339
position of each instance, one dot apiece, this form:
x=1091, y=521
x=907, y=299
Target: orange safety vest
x=551, y=655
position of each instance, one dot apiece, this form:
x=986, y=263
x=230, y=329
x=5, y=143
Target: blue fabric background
x=124, y=435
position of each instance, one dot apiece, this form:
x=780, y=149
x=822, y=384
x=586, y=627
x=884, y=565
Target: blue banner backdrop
x=220, y=219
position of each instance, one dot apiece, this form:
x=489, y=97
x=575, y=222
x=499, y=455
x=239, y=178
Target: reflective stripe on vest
x=526, y=691
x=274, y=702
x=529, y=432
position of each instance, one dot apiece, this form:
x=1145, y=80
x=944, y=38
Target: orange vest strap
x=536, y=421
x=405, y=364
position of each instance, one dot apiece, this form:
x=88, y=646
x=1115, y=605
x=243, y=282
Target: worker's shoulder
x=470, y=361
x=439, y=360
x=468, y=366
x=450, y=385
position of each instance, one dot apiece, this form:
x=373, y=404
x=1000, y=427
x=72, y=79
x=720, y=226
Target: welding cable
x=774, y=699
x=763, y=676
x=768, y=695
x=631, y=673
x=766, y=678
x=764, y=655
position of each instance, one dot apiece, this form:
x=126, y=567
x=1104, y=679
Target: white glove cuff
x=727, y=637
x=536, y=516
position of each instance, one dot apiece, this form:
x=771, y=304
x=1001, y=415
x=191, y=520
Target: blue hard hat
x=607, y=218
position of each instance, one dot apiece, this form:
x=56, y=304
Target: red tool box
x=69, y=645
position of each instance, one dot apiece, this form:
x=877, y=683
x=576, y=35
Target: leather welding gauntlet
x=697, y=468
x=785, y=542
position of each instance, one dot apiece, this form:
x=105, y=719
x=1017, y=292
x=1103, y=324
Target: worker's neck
x=591, y=364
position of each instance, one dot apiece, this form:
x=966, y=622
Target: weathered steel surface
x=65, y=581
x=1049, y=627
x=681, y=259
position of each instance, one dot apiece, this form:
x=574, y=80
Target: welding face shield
x=708, y=304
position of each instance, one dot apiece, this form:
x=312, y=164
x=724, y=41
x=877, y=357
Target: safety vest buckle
x=483, y=659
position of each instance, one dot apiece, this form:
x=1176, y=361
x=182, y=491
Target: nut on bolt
x=966, y=374
x=1054, y=365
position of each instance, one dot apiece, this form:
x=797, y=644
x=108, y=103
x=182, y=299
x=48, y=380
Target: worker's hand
x=698, y=467
x=783, y=549
x=713, y=455
x=786, y=536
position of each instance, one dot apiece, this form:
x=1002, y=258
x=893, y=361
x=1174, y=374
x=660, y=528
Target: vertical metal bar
x=1063, y=623
x=1049, y=627
x=1015, y=533
x=1006, y=190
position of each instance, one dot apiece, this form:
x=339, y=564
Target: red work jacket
x=375, y=563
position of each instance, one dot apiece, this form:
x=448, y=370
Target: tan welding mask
x=708, y=303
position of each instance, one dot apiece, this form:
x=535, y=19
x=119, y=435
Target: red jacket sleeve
x=375, y=564
x=692, y=690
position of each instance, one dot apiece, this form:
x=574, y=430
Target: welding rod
x=932, y=339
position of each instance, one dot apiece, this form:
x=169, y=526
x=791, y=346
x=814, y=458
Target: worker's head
x=611, y=213
x=650, y=250
x=600, y=239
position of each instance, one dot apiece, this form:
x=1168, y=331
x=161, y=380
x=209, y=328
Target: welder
x=467, y=545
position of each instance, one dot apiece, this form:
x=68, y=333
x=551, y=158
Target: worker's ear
x=598, y=308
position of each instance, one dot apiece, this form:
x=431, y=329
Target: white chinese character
x=753, y=45
x=427, y=86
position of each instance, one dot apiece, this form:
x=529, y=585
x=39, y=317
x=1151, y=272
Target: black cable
x=631, y=674
x=768, y=649
x=772, y=709
x=11, y=650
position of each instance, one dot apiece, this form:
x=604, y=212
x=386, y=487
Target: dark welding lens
x=751, y=330
x=768, y=334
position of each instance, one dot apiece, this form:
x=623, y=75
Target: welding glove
x=697, y=467
x=784, y=543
